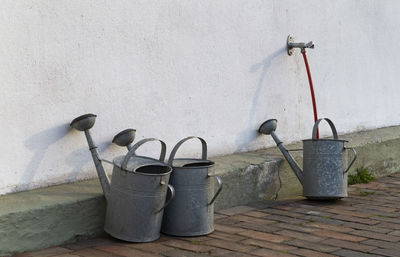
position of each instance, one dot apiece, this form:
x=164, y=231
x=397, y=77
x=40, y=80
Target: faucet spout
x=290, y=45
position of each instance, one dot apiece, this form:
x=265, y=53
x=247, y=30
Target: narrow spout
x=292, y=162
x=268, y=128
x=104, y=181
x=84, y=123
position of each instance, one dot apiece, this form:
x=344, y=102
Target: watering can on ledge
x=324, y=175
x=137, y=192
x=192, y=212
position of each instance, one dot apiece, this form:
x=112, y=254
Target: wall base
x=60, y=214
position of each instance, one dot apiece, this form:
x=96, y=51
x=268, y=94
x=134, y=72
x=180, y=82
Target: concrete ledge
x=50, y=216
x=247, y=177
x=55, y=215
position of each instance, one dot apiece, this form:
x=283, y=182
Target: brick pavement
x=367, y=223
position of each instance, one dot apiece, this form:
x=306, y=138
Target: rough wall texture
x=215, y=69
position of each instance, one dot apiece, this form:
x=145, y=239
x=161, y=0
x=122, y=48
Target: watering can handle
x=354, y=159
x=172, y=189
x=219, y=180
x=173, y=152
x=333, y=128
x=132, y=151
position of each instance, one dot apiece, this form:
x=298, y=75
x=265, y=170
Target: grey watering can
x=192, y=211
x=324, y=162
x=137, y=192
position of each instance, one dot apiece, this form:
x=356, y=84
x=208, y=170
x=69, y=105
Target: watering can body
x=137, y=193
x=324, y=166
x=137, y=197
x=192, y=211
x=324, y=163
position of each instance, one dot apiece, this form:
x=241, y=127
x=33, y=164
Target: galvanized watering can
x=324, y=162
x=192, y=211
x=137, y=192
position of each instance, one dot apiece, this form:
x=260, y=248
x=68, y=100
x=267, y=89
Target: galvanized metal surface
x=268, y=128
x=135, y=206
x=324, y=163
x=131, y=162
x=84, y=123
x=192, y=211
x=125, y=137
x=136, y=195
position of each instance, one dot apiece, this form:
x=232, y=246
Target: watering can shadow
x=136, y=196
x=324, y=176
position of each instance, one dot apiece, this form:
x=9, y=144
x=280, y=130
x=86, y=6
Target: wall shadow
x=39, y=143
x=250, y=134
x=82, y=156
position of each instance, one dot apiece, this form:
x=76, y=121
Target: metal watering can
x=137, y=192
x=192, y=211
x=324, y=160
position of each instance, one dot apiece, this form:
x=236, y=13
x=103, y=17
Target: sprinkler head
x=125, y=137
x=268, y=127
x=83, y=122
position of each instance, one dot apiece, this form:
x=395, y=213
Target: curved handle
x=333, y=128
x=172, y=189
x=132, y=151
x=107, y=161
x=293, y=150
x=354, y=159
x=219, y=180
x=203, y=150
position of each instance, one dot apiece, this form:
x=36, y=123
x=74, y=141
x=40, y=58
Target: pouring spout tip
x=83, y=122
x=125, y=137
x=268, y=127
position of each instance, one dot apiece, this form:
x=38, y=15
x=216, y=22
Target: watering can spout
x=268, y=128
x=125, y=138
x=84, y=123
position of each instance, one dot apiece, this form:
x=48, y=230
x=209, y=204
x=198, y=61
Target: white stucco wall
x=216, y=69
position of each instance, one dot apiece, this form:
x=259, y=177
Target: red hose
x=311, y=89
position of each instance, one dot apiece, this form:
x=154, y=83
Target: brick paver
x=367, y=223
x=269, y=245
x=189, y=246
x=257, y=227
x=350, y=245
x=320, y=247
